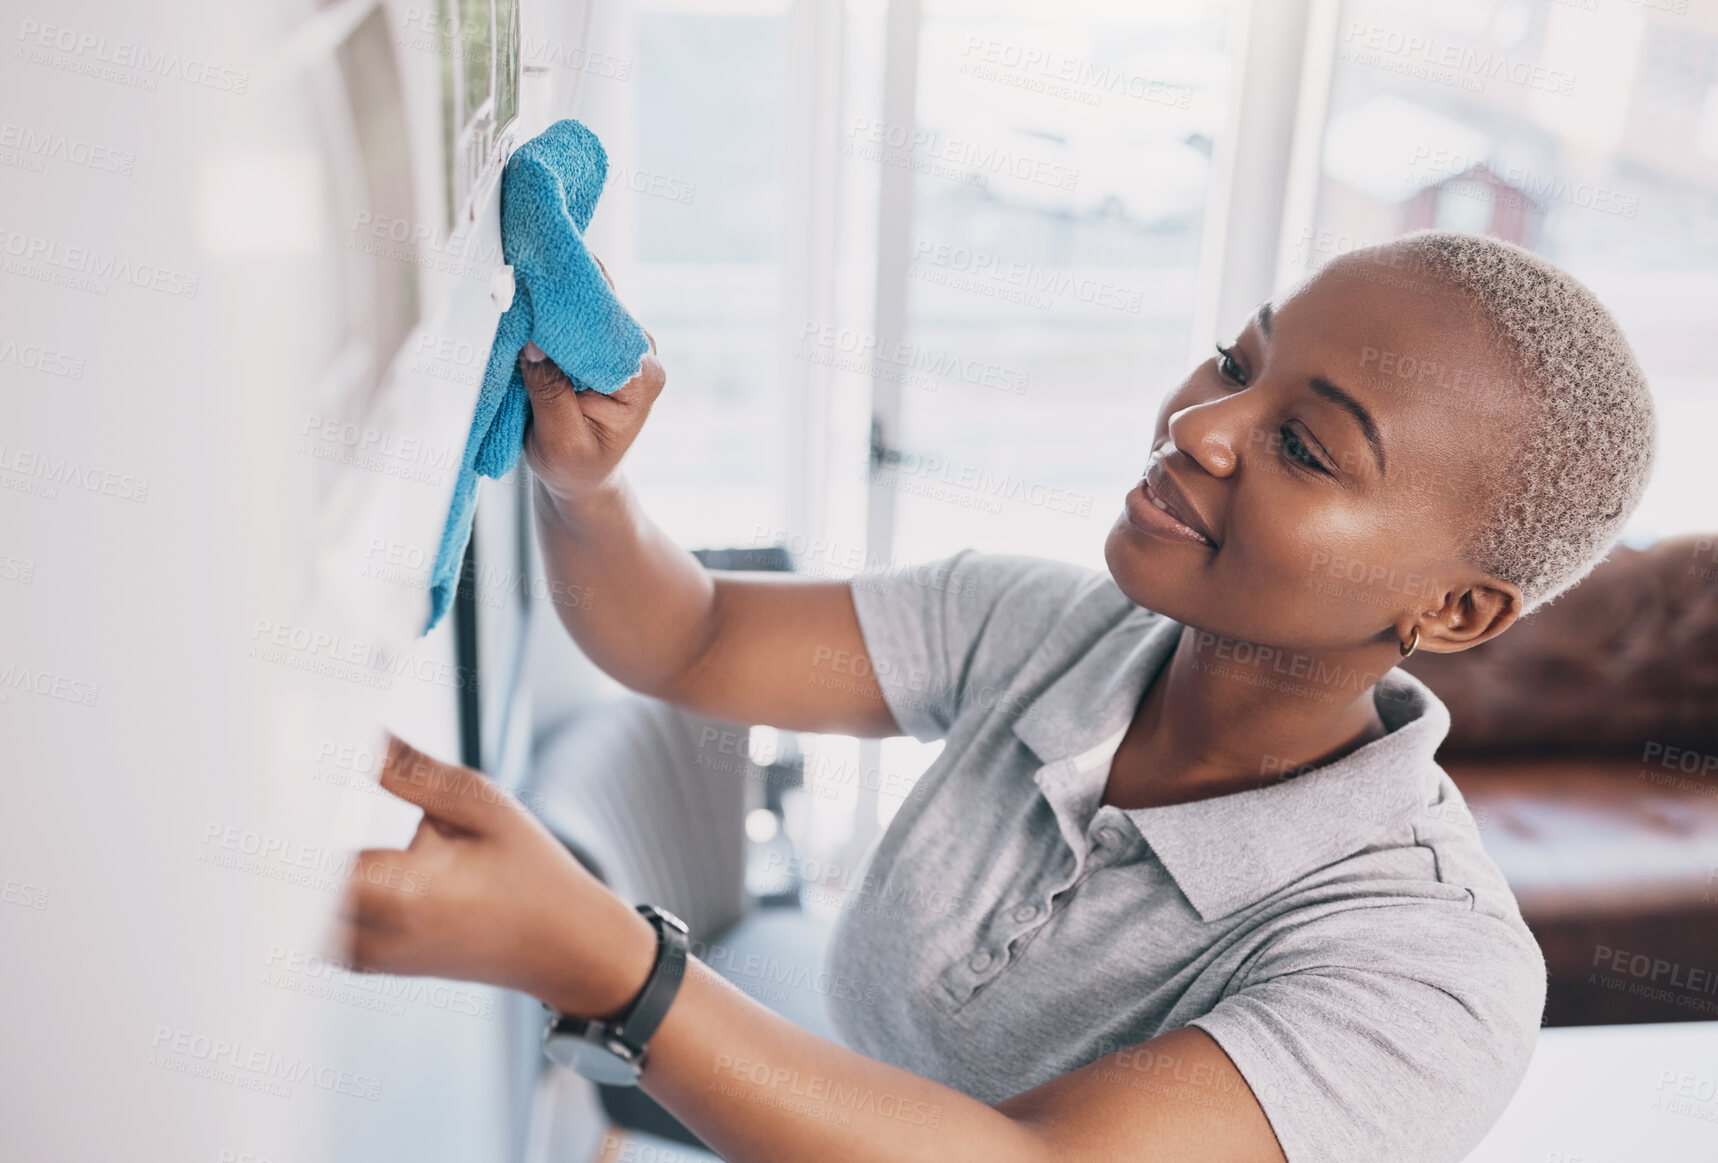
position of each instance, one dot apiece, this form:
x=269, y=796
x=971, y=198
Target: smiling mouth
x=1157, y=506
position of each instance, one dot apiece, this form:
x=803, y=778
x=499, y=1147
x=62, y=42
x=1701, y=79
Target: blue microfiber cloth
x=561, y=303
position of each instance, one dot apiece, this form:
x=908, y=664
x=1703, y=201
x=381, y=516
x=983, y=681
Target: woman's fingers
x=647, y=385
x=615, y=420
x=551, y=389
x=448, y=794
x=372, y=913
x=556, y=416
x=576, y=439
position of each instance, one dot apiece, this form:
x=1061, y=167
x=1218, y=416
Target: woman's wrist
x=606, y=991
x=578, y=511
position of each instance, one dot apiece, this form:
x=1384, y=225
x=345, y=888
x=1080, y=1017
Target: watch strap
x=647, y=1010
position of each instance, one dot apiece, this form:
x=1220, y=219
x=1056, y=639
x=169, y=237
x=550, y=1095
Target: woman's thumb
x=543, y=379
x=553, y=403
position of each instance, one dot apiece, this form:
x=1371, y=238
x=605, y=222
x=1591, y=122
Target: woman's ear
x=1469, y=616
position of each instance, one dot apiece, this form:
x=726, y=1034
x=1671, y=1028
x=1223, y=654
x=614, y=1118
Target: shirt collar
x=1230, y=851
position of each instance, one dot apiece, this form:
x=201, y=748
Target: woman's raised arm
x=746, y=648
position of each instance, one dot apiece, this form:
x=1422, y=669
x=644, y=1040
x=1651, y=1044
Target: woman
x=1185, y=882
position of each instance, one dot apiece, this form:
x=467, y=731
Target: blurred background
x=921, y=272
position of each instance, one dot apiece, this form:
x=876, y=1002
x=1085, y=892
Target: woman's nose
x=1211, y=433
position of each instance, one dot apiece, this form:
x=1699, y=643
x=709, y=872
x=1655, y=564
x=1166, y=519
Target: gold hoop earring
x=1412, y=644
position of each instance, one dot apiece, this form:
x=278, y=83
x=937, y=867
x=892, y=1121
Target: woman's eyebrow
x=1329, y=391
x=1264, y=318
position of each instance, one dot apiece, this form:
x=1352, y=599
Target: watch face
x=594, y=1061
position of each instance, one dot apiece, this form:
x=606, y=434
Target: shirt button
x=1108, y=836
x=1025, y=912
x=979, y=961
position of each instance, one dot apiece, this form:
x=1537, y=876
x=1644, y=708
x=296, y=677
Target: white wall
x=201, y=636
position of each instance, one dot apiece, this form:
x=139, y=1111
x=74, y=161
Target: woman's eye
x=1228, y=367
x=1297, y=449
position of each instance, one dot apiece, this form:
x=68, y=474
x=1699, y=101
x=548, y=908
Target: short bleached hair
x=1588, y=434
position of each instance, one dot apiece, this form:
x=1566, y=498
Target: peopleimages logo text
x=234, y=1062
x=97, y=264
x=125, y=54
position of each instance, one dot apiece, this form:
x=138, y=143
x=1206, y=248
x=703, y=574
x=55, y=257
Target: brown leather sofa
x=1586, y=743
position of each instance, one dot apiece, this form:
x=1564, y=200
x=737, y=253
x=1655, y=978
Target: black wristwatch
x=613, y=1052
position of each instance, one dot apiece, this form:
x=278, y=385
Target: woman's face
x=1312, y=486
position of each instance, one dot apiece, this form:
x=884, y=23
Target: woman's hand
x=486, y=893
x=576, y=439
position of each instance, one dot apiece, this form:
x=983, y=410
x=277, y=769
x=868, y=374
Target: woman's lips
x=1155, y=505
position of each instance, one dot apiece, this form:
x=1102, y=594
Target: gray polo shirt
x=1341, y=933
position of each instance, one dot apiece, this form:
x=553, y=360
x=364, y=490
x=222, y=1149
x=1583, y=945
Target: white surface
x=1614, y=1094
x=184, y=791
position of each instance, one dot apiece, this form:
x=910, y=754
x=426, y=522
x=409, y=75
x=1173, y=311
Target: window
x=480, y=87
x=690, y=229
x=1061, y=176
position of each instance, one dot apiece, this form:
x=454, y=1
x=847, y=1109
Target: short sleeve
x=1389, y=1032
x=944, y=633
